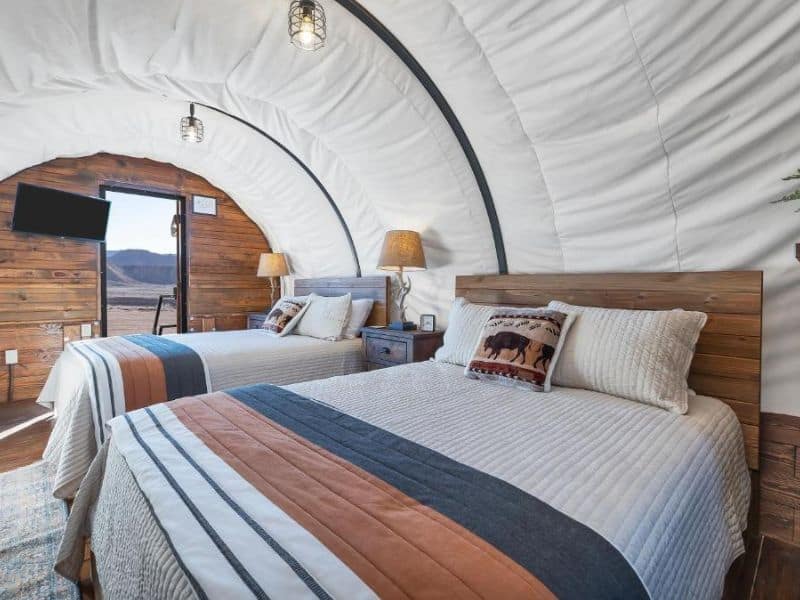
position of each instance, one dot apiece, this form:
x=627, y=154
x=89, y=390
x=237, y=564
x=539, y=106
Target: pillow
x=285, y=315
x=326, y=317
x=519, y=347
x=464, y=328
x=641, y=355
x=359, y=313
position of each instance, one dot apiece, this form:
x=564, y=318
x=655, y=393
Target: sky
x=140, y=222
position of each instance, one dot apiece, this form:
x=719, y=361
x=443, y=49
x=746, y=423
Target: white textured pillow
x=325, y=317
x=641, y=355
x=464, y=329
x=359, y=313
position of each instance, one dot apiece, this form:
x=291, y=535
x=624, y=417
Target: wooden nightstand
x=386, y=347
x=256, y=320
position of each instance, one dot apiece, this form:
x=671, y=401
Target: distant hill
x=133, y=267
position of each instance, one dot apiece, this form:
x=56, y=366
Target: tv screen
x=53, y=212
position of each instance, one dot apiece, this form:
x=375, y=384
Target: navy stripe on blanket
x=237, y=566
x=183, y=367
x=572, y=560
x=98, y=424
x=290, y=560
x=91, y=349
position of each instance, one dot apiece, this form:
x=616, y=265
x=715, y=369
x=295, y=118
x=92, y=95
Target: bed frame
x=375, y=287
x=727, y=363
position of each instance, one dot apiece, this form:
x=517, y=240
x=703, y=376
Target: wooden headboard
x=374, y=287
x=727, y=364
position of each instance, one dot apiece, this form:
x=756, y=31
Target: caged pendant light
x=191, y=127
x=307, y=27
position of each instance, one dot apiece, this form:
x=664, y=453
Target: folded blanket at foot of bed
x=134, y=371
x=263, y=493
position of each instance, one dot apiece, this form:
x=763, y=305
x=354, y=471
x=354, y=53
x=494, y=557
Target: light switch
x=86, y=330
x=12, y=357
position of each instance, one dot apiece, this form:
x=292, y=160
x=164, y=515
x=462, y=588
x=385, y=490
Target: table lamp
x=402, y=251
x=272, y=265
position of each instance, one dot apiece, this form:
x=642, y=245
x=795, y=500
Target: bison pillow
x=520, y=347
x=285, y=315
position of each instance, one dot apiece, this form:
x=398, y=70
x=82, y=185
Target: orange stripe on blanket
x=143, y=377
x=397, y=546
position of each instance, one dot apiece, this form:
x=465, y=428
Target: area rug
x=31, y=524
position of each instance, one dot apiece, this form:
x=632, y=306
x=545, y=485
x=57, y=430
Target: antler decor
x=400, y=292
x=402, y=251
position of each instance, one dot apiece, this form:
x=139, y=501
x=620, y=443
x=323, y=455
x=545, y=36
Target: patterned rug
x=31, y=524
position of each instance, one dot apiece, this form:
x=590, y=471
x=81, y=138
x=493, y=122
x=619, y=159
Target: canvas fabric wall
x=641, y=135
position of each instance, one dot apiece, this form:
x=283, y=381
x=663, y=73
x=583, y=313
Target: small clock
x=427, y=322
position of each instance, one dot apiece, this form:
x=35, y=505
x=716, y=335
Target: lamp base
x=402, y=325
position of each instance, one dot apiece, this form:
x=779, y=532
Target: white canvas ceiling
x=642, y=135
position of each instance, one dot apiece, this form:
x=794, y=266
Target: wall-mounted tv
x=53, y=212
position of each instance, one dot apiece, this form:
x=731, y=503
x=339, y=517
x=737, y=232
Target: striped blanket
x=134, y=371
x=264, y=493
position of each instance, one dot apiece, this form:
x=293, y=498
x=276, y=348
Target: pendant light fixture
x=191, y=127
x=307, y=27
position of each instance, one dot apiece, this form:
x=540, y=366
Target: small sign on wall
x=204, y=205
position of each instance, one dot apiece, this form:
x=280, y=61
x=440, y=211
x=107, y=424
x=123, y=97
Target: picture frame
x=204, y=205
x=427, y=322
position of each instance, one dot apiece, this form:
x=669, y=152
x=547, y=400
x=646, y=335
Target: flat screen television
x=63, y=214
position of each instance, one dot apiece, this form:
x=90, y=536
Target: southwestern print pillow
x=520, y=347
x=285, y=315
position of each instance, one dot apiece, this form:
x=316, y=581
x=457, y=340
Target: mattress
x=231, y=358
x=669, y=492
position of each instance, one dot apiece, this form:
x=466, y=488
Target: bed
x=85, y=393
x=415, y=481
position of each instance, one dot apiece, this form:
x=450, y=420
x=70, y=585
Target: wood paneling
x=780, y=476
x=728, y=360
x=49, y=286
x=223, y=253
x=778, y=576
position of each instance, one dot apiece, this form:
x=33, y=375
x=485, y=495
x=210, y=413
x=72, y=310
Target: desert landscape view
x=135, y=280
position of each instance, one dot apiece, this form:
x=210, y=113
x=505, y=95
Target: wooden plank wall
x=48, y=287
x=780, y=476
x=223, y=253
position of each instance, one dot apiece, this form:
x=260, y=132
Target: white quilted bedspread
x=670, y=491
x=232, y=358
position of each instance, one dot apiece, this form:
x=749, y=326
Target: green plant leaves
x=791, y=196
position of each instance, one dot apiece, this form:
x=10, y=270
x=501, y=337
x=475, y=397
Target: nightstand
x=387, y=347
x=256, y=320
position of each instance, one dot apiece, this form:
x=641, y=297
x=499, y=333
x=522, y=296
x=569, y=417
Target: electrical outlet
x=86, y=330
x=12, y=357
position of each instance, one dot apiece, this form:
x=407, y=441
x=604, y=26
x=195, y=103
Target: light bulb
x=191, y=127
x=307, y=24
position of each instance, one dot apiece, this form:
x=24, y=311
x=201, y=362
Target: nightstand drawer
x=386, y=350
x=256, y=320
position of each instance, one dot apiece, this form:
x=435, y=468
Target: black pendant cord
x=368, y=19
x=308, y=171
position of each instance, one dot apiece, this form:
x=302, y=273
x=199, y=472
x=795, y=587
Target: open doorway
x=143, y=263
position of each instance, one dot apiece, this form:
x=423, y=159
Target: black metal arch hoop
x=371, y=21
x=308, y=171
x=379, y=29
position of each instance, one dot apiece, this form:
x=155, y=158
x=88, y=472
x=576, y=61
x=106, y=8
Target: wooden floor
x=26, y=445
x=769, y=571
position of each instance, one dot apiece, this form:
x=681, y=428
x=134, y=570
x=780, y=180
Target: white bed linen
x=232, y=358
x=670, y=491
